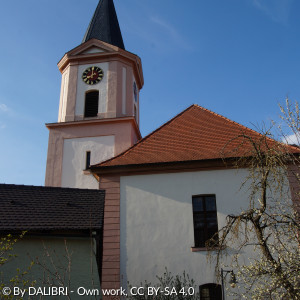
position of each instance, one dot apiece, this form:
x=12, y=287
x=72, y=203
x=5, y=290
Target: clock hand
x=92, y=75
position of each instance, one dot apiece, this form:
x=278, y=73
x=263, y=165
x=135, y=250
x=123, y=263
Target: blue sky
x=239, y=58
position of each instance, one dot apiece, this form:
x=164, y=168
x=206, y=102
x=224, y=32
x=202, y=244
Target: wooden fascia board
x=170, y=167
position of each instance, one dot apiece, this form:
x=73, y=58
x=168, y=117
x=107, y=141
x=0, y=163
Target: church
x=147, y=203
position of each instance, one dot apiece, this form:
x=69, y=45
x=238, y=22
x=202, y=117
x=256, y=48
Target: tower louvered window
x=91, y=104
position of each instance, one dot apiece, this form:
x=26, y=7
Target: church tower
x=98, y=114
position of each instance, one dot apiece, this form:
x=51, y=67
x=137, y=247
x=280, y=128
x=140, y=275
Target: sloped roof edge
x=195, y=134
x=143, y=139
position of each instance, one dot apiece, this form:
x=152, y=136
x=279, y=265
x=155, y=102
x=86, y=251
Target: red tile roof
x=193, y=135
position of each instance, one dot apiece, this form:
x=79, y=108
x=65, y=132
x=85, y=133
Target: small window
x=88, y=159
x=210, y=291
x=135, y=92
x=205, y=219
x=135, y=113
x=91, y=104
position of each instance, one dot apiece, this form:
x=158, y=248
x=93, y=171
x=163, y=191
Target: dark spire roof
x=104, y=25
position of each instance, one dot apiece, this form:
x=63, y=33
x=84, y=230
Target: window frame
x=211, y=286
x=87, y=159
x=197, y=244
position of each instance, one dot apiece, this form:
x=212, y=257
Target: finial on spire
x=104, y=25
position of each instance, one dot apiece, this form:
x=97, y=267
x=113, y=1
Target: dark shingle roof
x=104, y=25
x=50, y=208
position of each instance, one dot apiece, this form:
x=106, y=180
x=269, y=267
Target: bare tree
x=269, y=227
x=56, y=267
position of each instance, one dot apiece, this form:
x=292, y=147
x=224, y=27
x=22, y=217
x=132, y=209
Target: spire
x=104, y=25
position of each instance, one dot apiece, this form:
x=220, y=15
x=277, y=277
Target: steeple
x=98, y=115
x=104, y=25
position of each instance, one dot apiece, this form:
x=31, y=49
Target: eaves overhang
x=177, y=166
x=164, y=167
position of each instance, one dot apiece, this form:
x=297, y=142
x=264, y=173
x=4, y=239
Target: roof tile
x=195, y=134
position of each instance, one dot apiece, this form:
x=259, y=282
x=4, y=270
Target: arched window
x=210, y=291
x=91, y=104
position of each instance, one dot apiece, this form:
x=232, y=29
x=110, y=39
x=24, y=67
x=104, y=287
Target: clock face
x=92, y=75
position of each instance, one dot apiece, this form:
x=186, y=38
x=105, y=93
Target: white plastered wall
x=82, y=88
x=93, y=50
x=157, y=222
x=74, y=159
x=136, y=103
x=63, y=96
x=124, y=92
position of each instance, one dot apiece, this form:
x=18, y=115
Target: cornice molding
x=95, y=122
x=75, y=56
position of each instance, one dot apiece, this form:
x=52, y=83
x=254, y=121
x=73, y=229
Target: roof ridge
x=247, y=128
x=48, y=187
x=234, y=122
x=223, y=117
x=169, y=122
x=144, y=138
x=177, y=134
